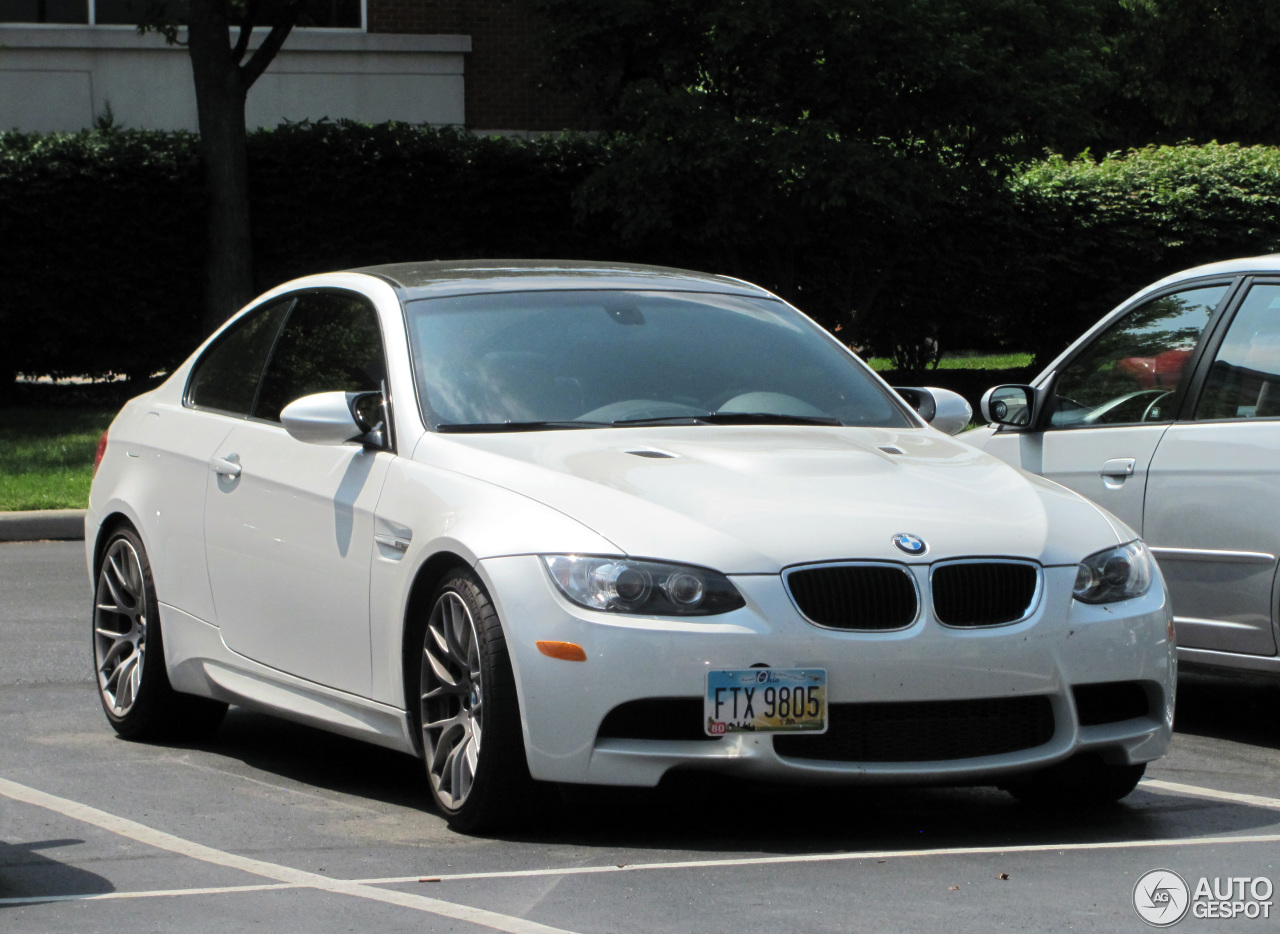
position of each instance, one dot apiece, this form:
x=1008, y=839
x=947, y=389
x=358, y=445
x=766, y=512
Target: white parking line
x=294, y=877
x=839, y=858
x=365, y=888
x=153, y=893
x=1154, y=784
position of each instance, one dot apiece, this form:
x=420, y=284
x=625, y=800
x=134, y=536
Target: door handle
x=228, y=466
x=1118, y=467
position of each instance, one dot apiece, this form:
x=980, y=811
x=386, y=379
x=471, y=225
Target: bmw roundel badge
x=911, y=544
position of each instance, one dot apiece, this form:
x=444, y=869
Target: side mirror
x=335, y=418
x=945, y=410
x=1012, y=405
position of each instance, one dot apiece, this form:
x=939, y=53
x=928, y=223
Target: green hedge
x=1088, y=234
x=104, y=233
x=101, y=237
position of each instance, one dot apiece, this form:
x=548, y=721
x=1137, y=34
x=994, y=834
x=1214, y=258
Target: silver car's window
x=331, y=342
x=1136, y=370
x=1244, y=381
x=606, y=357
x=226, y=378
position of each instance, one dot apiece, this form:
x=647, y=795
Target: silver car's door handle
x=1118, y=467
x=226, y=466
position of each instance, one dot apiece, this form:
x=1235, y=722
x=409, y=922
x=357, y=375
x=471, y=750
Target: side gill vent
x=890, y=449
x=651, y=454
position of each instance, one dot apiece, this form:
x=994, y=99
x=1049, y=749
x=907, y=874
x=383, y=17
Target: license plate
x=766, y=700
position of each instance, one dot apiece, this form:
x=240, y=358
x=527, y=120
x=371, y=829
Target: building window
x=323, y=14
x=44, y=11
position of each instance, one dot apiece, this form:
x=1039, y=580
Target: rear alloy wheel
x=468, y=711
x=128, y=652
x=1081, y=782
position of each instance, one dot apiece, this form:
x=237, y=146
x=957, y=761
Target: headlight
x=1115, y=574
x=651, y=588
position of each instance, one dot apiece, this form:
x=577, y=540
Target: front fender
x=425, y=513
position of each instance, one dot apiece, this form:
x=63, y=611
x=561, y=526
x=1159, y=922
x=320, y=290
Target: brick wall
x=505, y=66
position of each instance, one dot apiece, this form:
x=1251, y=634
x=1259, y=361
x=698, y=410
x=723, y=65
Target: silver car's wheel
x=468, y=710
x=452, y=700
x=128, y=651
x=120, y=614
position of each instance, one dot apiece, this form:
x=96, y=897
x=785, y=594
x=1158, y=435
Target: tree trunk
x=220, y=97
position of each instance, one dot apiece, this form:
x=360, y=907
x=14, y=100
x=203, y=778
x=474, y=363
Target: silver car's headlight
x=651, y=588
x=1115, y=574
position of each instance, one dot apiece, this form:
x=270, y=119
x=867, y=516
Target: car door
x=289, y=525
x=1213, y=490
x=181, y=439
x=1110, y=404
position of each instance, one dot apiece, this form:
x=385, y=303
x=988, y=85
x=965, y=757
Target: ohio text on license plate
x=766, y=700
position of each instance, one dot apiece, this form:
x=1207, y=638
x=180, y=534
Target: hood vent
x=651, y=454
x=890, y=449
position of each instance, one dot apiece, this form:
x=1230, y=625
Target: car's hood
x=755, y=499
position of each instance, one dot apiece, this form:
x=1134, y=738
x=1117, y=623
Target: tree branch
x=246, y=32
x=253, y=69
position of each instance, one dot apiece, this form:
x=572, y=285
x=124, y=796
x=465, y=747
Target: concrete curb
x=42, y=525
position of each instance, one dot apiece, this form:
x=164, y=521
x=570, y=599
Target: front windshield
x=516, y=360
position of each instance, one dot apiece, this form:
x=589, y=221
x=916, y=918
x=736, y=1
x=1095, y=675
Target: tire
x=468, y=712
x=1081, y=782
x=128, y=652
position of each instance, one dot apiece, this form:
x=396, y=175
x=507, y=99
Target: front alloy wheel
x=452, y=700
x=468, y=711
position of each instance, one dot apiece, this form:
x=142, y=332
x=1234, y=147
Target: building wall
x=506, y=66
x=62, y=77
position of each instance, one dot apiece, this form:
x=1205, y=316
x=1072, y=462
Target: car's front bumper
x=1063, y=644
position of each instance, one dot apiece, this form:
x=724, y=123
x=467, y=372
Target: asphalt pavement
x=274, y=824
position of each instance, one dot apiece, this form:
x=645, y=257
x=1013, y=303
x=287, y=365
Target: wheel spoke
x=119, y=644
x=447, y=722
x=462, y=770
x=448, y=678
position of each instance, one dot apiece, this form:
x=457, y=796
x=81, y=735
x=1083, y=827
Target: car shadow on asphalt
x=704, y=812
x=27, y=872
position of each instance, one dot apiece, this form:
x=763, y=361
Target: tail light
x=102, y=449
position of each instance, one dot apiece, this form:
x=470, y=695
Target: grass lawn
x=965, y=361
x=46, y=456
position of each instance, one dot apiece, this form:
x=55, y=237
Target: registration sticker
x=766, y=700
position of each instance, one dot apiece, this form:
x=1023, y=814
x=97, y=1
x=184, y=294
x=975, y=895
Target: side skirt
x=199, y=662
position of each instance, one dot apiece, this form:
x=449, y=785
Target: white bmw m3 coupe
x=584, y=523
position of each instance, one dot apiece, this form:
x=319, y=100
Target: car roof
x=1234, y=267
x=465, y=277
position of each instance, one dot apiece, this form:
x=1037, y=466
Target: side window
x=1244, y=381
x=226, y=377
x=1135, y=371
x=331, y=342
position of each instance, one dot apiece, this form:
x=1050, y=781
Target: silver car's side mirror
x=1010, y=405
x=945, y=410
x=333, y=418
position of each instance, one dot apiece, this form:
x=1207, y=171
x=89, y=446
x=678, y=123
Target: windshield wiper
x=733, y=418
x=480, y=427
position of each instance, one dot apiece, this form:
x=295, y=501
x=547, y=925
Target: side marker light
x=566, y=651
